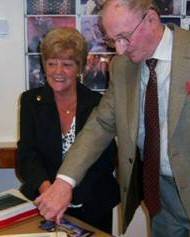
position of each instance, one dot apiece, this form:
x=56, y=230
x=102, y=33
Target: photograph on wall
x=38, y=27
x=174, y=20
x=96, y=74
x=92, y=30
x=36, y=73
x=60, y=7
x=185, y=23
x=91, y=7
x=169, y=7
x=188, y=8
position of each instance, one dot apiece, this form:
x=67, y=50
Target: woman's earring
x=80, y=77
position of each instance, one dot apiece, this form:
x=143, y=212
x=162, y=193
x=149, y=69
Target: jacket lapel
x=81, y=107
x=133, y=89
x=51, y=126
x=179, y=76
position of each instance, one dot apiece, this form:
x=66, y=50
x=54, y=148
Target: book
x=71, y=229
x=15, y=207
x=52, y=234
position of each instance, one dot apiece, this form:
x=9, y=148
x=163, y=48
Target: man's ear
x=152, y=16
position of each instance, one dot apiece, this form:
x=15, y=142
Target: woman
x=50, y=118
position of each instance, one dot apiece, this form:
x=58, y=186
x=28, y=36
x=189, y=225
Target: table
x=32, y=226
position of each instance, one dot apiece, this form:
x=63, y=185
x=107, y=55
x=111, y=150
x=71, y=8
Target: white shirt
x=163, y=68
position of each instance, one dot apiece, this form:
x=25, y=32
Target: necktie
x=151, y=168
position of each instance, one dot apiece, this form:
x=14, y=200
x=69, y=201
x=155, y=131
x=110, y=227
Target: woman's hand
x=44, y=186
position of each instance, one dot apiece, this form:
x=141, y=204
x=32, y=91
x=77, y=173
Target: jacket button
x=38, y=98
x=130, y=160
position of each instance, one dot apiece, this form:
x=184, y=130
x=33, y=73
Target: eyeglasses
x=124, y=36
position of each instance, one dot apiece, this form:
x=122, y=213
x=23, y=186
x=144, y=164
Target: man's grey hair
x=136, y=5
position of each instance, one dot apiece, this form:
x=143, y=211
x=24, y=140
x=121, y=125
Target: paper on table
x=53, y=234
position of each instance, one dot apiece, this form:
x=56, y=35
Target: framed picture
x=185, y=23
x=39, y=26
x=92, y=31
x=44, y=15
x=177, y=7
x=91, y=7
x=36, y=73
x=169, y=7
x=62, y=7
x=96, y=74
x=188, y=7
x=174, y=20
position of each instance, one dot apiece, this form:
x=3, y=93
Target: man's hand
x=53, y=203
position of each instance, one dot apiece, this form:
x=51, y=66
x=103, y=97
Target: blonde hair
x=65, y=43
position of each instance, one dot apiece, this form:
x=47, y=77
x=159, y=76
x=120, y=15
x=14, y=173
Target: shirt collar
x=164, y=49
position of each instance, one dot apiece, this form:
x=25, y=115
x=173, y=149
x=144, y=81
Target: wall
x=9, y=179
x=12, y=80
x=12, y=68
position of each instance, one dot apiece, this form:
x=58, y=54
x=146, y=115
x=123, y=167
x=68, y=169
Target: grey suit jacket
x=117, y=115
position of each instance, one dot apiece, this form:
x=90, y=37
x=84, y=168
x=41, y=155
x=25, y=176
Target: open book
x=14, y=207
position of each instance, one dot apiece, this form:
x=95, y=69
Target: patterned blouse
x=68, y=138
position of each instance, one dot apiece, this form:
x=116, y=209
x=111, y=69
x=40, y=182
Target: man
x=134, y=28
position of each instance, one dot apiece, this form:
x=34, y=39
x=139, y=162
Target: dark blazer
x=40, y=151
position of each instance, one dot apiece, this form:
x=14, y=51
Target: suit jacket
x=40, y=151
x=118, y=114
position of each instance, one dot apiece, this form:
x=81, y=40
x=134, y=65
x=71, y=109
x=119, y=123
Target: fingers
x=37, y=201
x=53, y=202
x=48, y=211
x=60, y=215
x=49, y=214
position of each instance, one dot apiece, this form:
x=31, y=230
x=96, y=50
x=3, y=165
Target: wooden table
x=32, y=226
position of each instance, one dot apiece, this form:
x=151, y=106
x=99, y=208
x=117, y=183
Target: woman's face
x=61, y=74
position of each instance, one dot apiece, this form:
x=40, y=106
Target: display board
x=44, y=15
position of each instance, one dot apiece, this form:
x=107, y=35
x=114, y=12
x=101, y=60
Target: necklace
x=69, y=110
x=65, y=107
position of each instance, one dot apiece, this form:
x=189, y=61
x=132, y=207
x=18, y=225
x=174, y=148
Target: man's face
x=130, y=31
